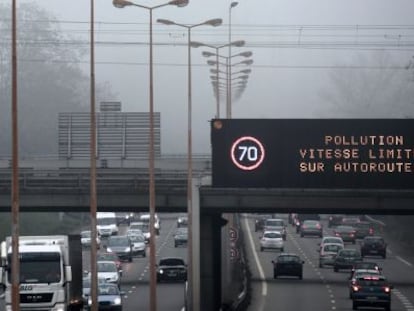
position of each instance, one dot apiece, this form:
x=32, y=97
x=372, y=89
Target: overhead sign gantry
x=313, y=153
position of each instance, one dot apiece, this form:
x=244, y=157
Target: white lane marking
x=404, y=261
x=256, y=259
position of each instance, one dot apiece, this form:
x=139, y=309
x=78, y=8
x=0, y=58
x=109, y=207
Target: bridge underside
x=219, y=200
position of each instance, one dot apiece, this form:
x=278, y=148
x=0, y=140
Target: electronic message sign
x=313, y=153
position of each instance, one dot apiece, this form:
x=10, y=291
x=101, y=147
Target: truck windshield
x=106, y=221
x=39, y=268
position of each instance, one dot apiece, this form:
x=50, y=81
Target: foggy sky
x=286, y=80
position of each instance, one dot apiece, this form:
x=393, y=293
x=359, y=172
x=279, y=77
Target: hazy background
x=312, y=59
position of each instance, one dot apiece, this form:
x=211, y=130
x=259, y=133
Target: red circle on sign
x=256, y=160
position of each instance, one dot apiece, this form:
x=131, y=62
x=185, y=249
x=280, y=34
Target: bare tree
x=50, y=79
x=376, y=88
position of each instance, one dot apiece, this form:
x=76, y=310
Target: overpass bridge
x=126, y=189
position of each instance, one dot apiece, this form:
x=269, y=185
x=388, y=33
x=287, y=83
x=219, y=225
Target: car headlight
x=59, y=307
x=109, y=249
x=117, y=301
x=161, y=271
x=89, y=301
x=128, y=249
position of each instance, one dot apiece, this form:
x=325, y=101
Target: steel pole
x=15, y=204
x=93, y=193
x=152, y=268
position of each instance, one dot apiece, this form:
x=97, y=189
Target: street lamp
x=212, y=22
x=232, y=5
x=152, y=269
x=238, y=43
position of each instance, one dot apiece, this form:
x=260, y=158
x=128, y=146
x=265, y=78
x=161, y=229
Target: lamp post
x=15, y=203
x=228, y=113
x=92, y=154
x=238, y=43
x=152, y=263
x=212, y=22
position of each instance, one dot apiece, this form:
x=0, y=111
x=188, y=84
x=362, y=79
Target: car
x=300, y=218
x=368, y=265
x=108, y=271
x=288, y=264
x=110, y=257
x=86, y=286
x=138, y=244
x=328, y=252
x=331, y=239
x=181, y=237
x=143, y=227
x=346, y=233
x=374, y=246
x=109, y=298
x=350, y=220
x=120, y=245
x=335, y=220
x=357, y=273
x=371, y=291
x=145, y=218
x=346, y=259
x=363, y=229
x=259, y=222
x=272, y=240
x=311, y=227
x=86, y=239
x=182, y=221
x=171, y=269
x=275, y=224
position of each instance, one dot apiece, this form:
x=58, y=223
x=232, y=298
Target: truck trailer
x=50, y=273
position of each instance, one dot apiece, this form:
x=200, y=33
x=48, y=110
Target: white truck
x=50, y=273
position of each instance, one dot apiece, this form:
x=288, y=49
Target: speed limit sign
x=247, y=153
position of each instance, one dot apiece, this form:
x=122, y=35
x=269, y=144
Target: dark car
x=356, y=274
x=109, y=298
x=374, y=246
x=363, y=229
x=311, y=227
x=120, y=245
x=368, y=265
x=346, y=259
x=300, y=218
x=287, y=264
x=347, y=233
x=335, y=220
x=171, y=269
x=181, y=237
x=371, y=291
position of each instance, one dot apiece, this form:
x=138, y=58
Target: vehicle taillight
x=371, y=231
x=318, y=226
x=355, y=288
x=336, y=233
x=387, y=289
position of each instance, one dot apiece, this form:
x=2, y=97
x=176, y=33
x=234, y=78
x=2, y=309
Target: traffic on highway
x=296, y=262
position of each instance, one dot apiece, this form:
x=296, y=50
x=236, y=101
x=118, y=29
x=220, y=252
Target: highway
x=321, y=288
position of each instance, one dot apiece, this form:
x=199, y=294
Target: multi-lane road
x=321, y=288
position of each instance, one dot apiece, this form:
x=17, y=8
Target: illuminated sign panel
x=313, y=153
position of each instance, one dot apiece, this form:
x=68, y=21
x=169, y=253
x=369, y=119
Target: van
x=106, y=224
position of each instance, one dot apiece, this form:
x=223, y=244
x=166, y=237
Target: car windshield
x=272, y=235
x=85, y=234
x=106, y=267
x=137, y=238
x=118, y=241
x=288, y=258
x=108, y=256
x=171, y=262
x=108, y=289
x=274, y=223
x=332, y=248
x=311, y=223
x=349, y=253
x=345, y=229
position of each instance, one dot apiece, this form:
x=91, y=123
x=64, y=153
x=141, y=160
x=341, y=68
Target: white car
x=272, y=240
x=328, y=252
x=145, y=218
x=86, y=239
x=108, y=271
x=331, y=239
x=138, y=244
